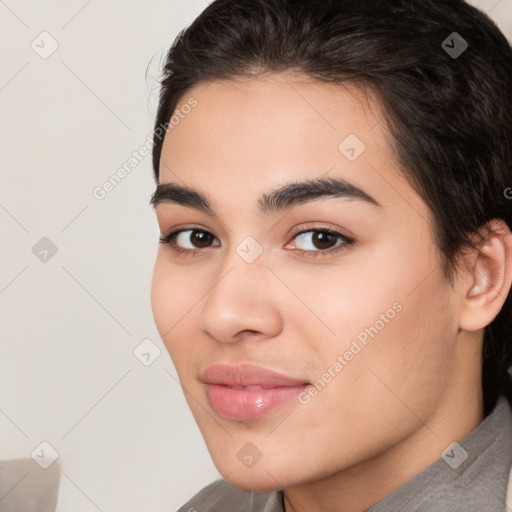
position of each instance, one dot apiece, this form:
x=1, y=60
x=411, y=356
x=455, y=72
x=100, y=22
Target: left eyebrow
x=301, y=192
x=285, y=197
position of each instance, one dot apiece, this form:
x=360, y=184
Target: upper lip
x=236, y=375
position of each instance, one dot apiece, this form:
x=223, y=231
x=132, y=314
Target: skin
x=413, y=389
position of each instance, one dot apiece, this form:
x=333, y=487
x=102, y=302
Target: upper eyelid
x=176, y=231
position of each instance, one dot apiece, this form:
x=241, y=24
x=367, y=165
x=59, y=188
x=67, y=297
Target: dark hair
x=449, y=115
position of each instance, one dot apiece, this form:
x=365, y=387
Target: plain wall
x=70, y=323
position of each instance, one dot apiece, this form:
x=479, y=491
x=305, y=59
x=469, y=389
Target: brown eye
x=324, y=240
x=189, y=240
x=317, y=240
x=201, y=239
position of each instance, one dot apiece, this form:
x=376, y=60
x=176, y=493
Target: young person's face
x=373, y=321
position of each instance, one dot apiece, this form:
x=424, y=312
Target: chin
x=248, y=481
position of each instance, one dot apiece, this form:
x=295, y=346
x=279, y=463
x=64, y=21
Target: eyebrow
x=285, y=197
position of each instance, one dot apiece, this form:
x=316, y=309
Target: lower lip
x=248, y=404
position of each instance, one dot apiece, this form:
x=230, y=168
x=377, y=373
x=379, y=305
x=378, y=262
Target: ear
x=487, y=283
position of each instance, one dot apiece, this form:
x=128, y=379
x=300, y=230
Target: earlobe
x=491, y=278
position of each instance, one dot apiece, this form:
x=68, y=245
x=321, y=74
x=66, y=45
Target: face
x=297, y=310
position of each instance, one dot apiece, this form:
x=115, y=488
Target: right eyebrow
x=178, y=194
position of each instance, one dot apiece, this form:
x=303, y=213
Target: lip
x=226, y=389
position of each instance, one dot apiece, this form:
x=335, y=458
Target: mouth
x=245, y=392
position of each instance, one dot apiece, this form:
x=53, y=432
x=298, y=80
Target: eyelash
x=347, y=242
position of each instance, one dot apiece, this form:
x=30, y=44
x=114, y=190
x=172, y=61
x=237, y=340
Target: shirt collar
x=472, y=475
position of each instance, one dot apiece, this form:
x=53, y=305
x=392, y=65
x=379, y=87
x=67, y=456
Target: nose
x=241, y=303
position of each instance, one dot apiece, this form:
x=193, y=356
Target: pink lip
x=223, y=383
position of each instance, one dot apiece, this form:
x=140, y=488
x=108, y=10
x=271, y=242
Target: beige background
x=68, y=374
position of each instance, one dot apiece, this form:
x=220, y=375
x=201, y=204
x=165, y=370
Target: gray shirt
x=453, y=483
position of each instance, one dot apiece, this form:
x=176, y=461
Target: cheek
x=160, y=300
x=403, y=357
x=171, y=302
x=367, y=282
x=392, y=317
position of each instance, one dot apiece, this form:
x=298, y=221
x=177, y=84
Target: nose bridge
x=244, y=269
x=240, y=300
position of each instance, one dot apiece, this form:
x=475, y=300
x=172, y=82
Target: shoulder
x=220, y=495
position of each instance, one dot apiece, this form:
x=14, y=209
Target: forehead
x=250, y=134
x=290, y=105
